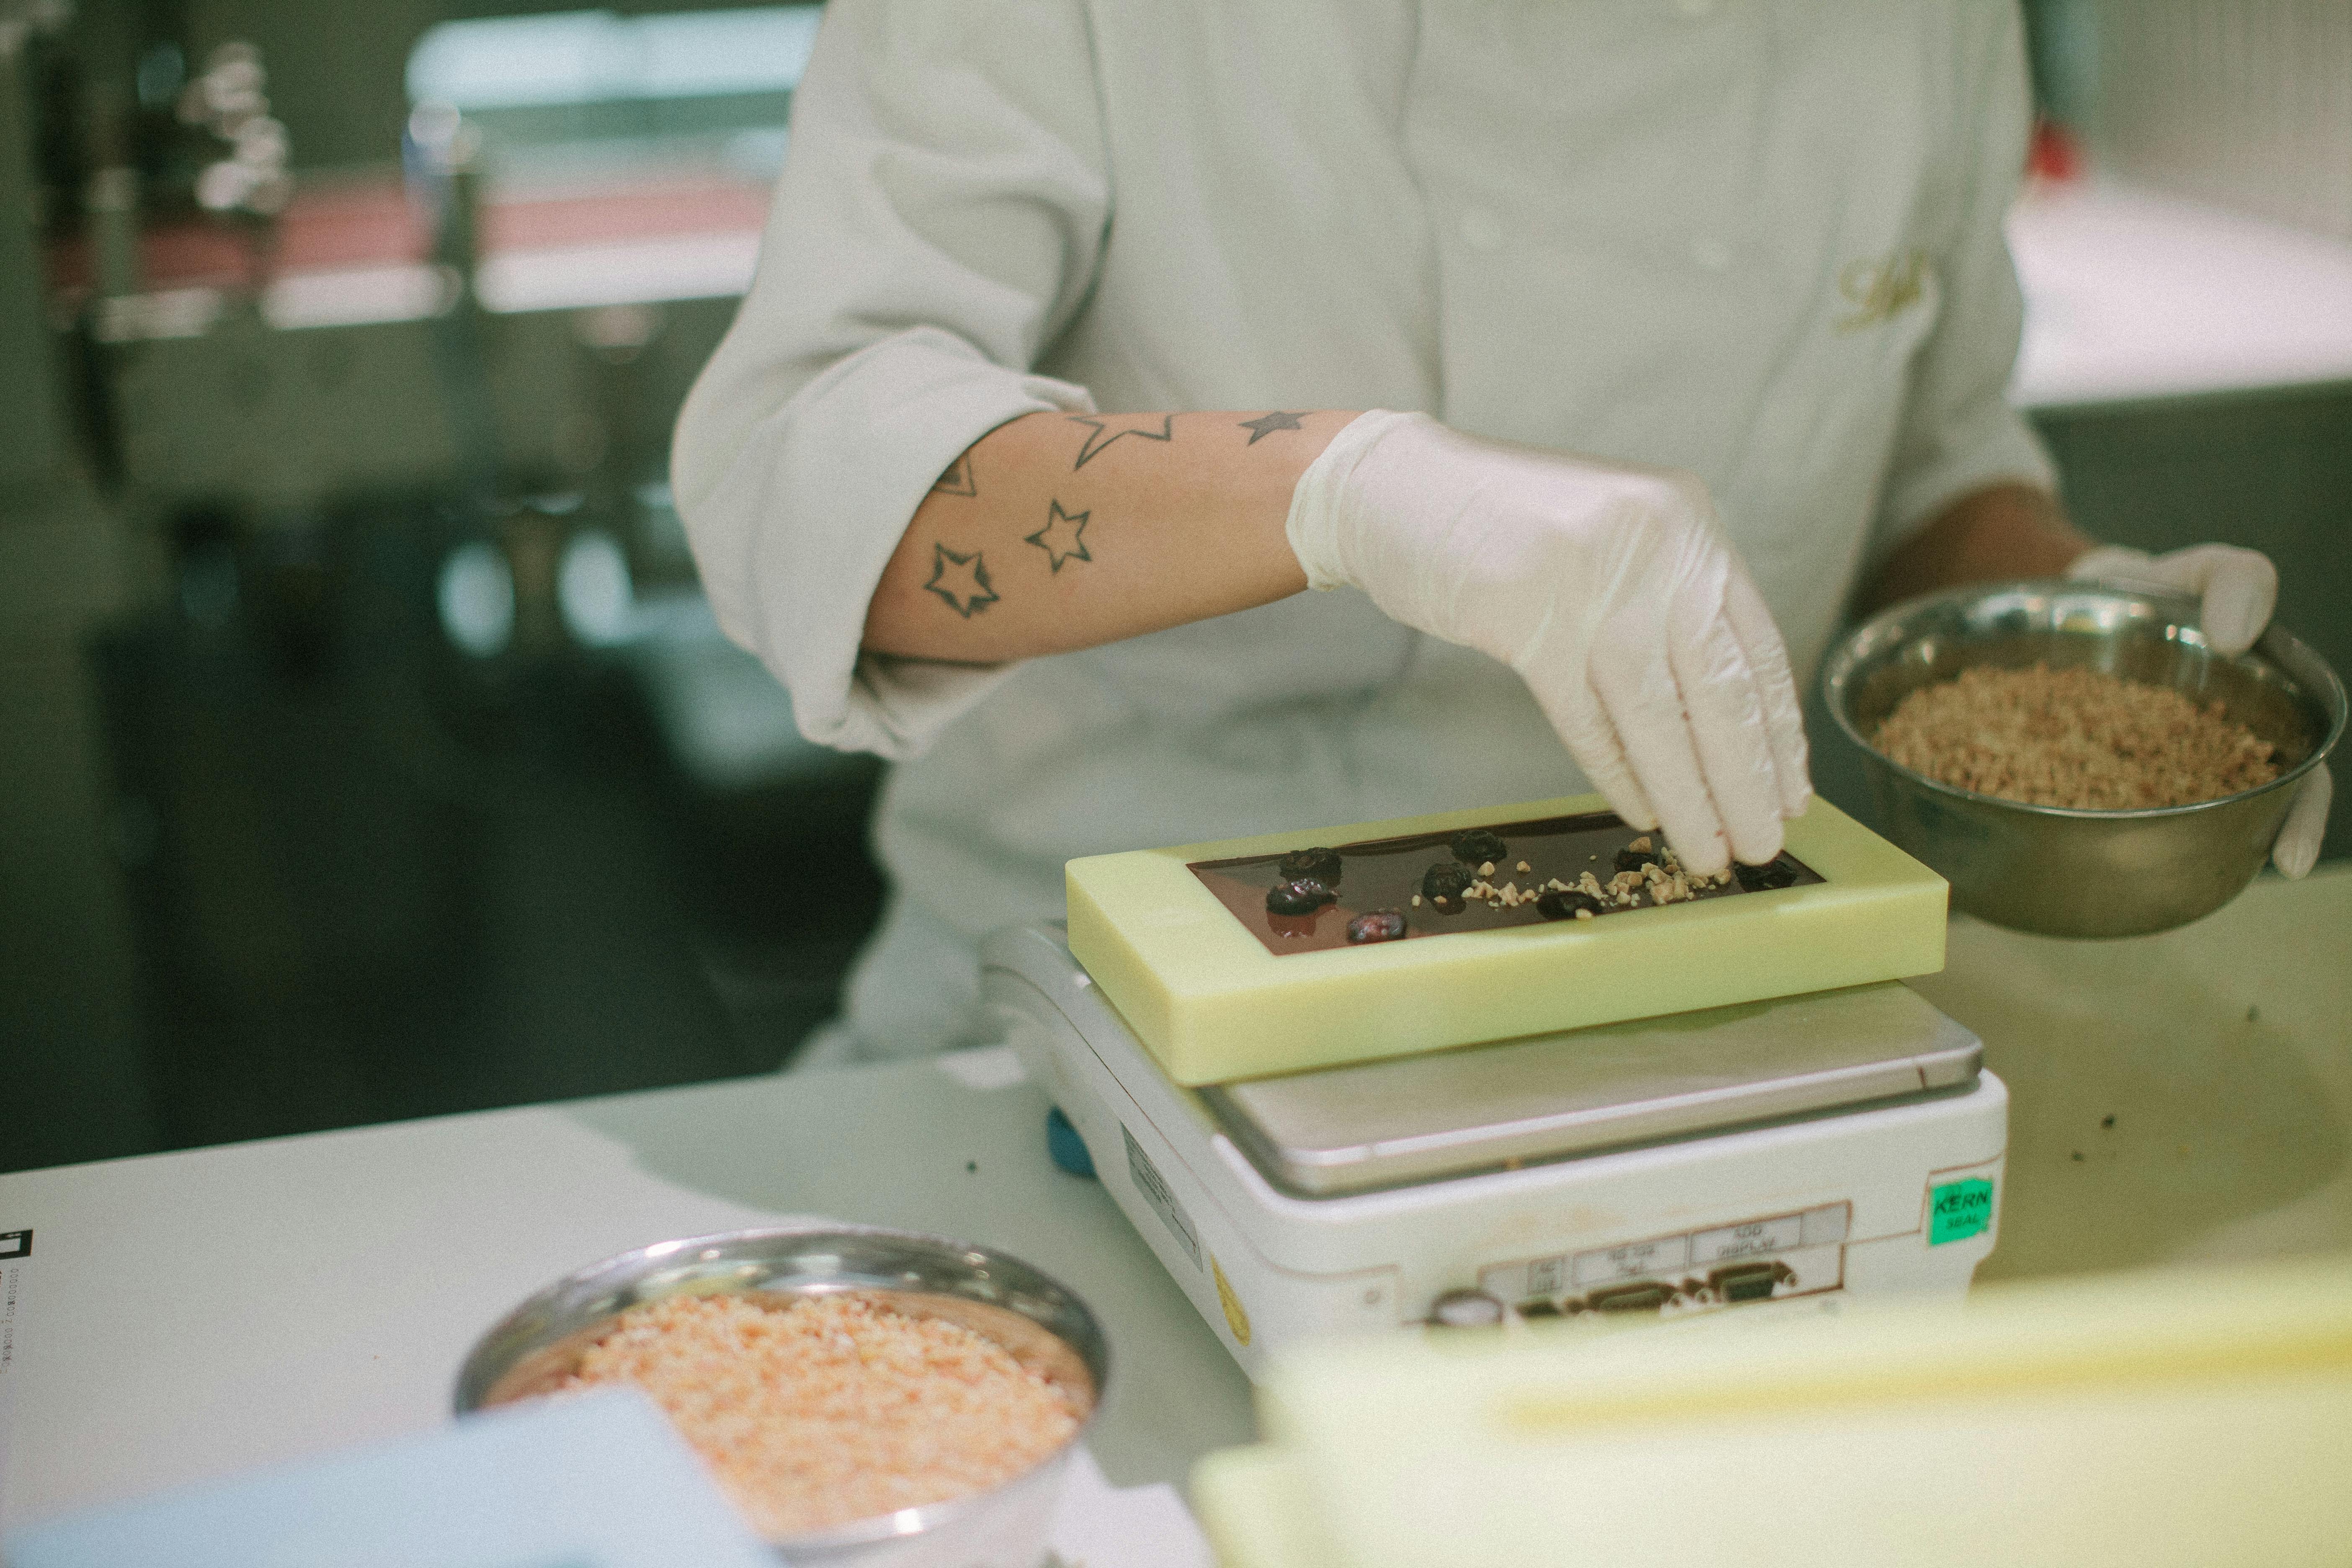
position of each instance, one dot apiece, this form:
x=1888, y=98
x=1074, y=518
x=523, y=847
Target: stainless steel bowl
x=1042, y=1323
x=2084, y=873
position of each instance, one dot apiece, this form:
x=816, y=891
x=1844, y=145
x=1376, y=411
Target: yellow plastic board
x=1252, y=1506
x=1214, y=1004
x=2166, y=1421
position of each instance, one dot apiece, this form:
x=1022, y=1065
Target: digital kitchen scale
x=1771, y=1153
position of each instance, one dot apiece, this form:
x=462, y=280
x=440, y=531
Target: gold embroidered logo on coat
x=1881, y=289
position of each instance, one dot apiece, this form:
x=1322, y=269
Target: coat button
x=1482, y=230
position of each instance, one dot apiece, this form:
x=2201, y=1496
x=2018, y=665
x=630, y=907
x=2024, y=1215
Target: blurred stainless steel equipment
x=1042, y=1322
x=32, y=401
x=69, y=565
x=2071, y=873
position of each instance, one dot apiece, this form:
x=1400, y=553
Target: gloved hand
x=1610, y=590
x=2237, y=589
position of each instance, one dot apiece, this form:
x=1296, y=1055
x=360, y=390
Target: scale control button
x=1465, y=1309
x=1064, y=1147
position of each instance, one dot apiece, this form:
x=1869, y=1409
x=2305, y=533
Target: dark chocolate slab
x=1385, y=874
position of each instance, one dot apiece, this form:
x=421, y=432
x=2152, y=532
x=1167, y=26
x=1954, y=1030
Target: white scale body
x=1769, y=1156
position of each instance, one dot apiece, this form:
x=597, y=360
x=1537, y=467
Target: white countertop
x=2133, y=294
x=188, y=1316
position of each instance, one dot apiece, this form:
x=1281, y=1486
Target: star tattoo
x=1062, y=537
x=1104, y=436
x=1268, y=425
x=961, y=581
x=956, y=480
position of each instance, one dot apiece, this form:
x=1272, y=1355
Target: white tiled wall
x=2243, y=102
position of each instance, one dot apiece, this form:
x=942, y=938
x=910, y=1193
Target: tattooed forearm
x=1197, y=527
x=1101, y=435
x=956, y=480
x=1268, y=425
x=961, y=581
x=1062, y=537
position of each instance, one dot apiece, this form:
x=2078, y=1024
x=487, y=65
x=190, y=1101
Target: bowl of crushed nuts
x=2075, y=758
x=865, y=1397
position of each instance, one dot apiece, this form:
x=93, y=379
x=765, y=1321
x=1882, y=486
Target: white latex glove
x=2236, y=590
x=1610, y=590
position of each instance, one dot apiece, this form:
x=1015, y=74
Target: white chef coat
x=1756, y=239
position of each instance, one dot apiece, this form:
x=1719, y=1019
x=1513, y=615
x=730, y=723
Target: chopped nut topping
x=2074, y=738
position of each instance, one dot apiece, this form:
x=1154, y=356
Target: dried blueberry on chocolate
x=1779, y=873
x=1443, y=882
x=1631, y=860
x=1476, y=844
x=1560, y=906
x=1300, y=896
x=1320, y=863
x=1379, y=925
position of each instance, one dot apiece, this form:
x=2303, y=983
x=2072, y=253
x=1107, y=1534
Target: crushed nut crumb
x=2081, y=738
x=833, y=1408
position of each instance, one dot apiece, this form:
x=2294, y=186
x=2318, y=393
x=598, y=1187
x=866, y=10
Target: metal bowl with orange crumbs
x=863, y=1395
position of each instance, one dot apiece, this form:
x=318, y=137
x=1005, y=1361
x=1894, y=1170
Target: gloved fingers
x=2239, y=589
x=1637, y=683
x=1584, y=727
x=1784, y=716
x=2296, y=848
x=2236, y=588
x=2116, y=563
x=1726, y=710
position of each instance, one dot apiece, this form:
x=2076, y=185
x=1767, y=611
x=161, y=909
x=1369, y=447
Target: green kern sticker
x=1958, y=1210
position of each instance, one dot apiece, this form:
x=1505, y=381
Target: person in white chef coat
x=1598, y=355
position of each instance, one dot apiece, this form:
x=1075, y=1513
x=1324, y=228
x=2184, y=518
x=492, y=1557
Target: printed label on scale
x=1147, y=1179
x=1634, y=1260
x=1958, y=1210
x=1663, y=1256
x=1748, y=1240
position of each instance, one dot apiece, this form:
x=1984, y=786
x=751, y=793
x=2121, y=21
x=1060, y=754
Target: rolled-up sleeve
x=938, y=220
x=1959, y=433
